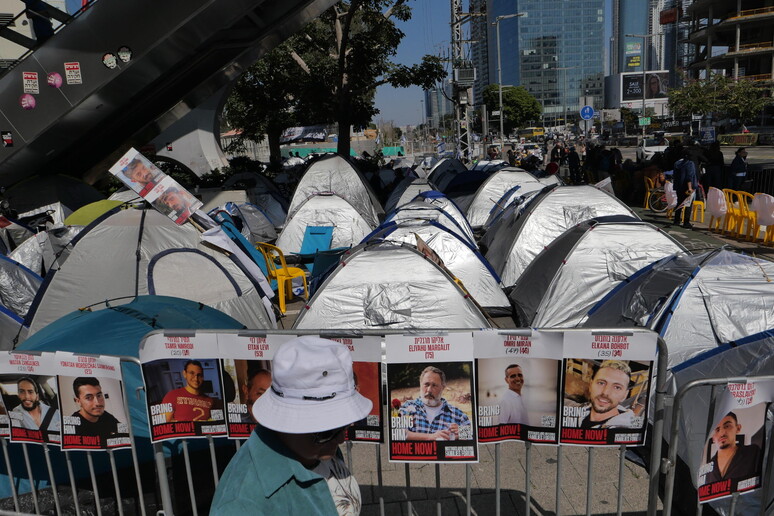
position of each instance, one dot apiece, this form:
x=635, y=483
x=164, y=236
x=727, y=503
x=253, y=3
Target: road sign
x=495, y=113
x=644, y=120
x=587, y=112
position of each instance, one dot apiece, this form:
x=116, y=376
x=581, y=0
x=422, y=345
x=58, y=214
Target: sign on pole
x=644, y=120
x=587, y=112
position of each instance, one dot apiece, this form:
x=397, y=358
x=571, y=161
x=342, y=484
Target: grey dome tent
x=582, y=265
x=332, y=173
x=136, y=252
x=405, y=192
x=43, y=250
x=490, y=193
x=389, y=285
x=349, y=225
x=517, y=196
x=695, y=302
x=462, y=259
x=444, y=171
x=420, y=210
x=515, y=241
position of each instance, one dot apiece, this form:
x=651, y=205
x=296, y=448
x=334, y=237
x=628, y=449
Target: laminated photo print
x=182, y=378
x=606, y=387
x=30, y=396
x=518, y=384
x=94, y=412
x=430, y=385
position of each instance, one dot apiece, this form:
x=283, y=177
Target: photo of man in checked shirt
x=433, y=418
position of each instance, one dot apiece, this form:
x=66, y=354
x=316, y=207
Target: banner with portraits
x=607, y=379
x=246, y=376
x=732, y=461
x=367, y=367
x=152, y=184
x=518, y=378
x=182, y=377
x=30, y=397
x=92, y=405
x=430, y=382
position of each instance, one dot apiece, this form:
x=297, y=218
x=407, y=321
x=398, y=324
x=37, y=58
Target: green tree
x=346, y=55
x=519, y=106
x=724, y=97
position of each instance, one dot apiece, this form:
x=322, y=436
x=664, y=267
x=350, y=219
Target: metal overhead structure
x=463, y=77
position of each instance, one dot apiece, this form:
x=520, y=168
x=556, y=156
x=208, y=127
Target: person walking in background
x=715, y=164
x=738, y=168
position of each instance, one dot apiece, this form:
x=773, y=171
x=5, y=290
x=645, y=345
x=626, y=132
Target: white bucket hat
x=312, y=389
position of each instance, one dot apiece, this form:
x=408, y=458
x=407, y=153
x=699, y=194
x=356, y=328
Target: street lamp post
x=496, y=23
x=645, y=38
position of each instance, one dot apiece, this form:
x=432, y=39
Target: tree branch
x=389, y=11
x=298, y=59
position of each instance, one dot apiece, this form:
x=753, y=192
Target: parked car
x=648, y=147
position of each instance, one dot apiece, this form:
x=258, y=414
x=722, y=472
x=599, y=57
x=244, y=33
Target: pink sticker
x=27, y=101
x=54, y=80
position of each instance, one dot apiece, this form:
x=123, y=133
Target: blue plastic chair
x=316, y=239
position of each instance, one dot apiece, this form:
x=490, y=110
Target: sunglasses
x=328, y=435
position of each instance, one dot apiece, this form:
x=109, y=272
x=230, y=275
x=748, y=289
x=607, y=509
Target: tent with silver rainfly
x=388, y=285
x=579, y=267
x=462, y=259
x=137, y=252
x=513, y=242
x=490, y=193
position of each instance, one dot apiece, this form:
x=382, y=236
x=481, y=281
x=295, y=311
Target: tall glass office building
x=556, y=51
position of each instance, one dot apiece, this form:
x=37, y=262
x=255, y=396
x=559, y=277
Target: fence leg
x=468, y=497
x=73, y=487
x=379, y=479
x=558, y=479
x=589, y=482
x=408, y=488
x=116, y=484
x=163, y=480
x=621, y=465
x=189, y=477
x=94, y=483
x=10, y=473
x=33, y=488
x=214, y=460
x=527, y=487
x=438, y=489
x=497, y=479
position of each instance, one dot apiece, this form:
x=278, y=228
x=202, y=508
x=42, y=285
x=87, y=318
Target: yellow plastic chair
x=281, y=274
x=697, y=209
x=746, y=215
x=732, y=211
x=648, y=189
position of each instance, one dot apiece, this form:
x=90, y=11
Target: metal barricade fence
x=163, y=498
x=669, y=464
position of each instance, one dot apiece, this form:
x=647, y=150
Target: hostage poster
x=94, y=412
x=182, y=377
x=606, y=385
x=518, y=383
x=734, y=449
x=31, y=397
x=367, y=367
x=430, y=385
x=246, y=375
x=149, y=182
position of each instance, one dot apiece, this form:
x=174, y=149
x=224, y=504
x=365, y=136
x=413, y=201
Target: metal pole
x=500, y=81
x=497, y=479
x=658, y=424
x=644, y=45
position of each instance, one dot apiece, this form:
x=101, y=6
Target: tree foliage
x=519, y=106
x=720, y=95
x=329, y=72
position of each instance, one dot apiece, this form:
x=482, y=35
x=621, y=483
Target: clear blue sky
x=428, y=32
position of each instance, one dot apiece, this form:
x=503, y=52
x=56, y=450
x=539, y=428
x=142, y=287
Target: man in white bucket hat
x=291, y=464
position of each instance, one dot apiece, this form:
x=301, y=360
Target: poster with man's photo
x=149, y=182
x=606, y=385
x=518, y=380
x=30, y=396
x=733, y=454
x=182, y=378
x=430, y=385
x=246, y=374
x=93, y=408
x=367, y=367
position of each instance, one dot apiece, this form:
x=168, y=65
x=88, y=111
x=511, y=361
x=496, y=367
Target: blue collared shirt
x=264, y=478
x=421, y=422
